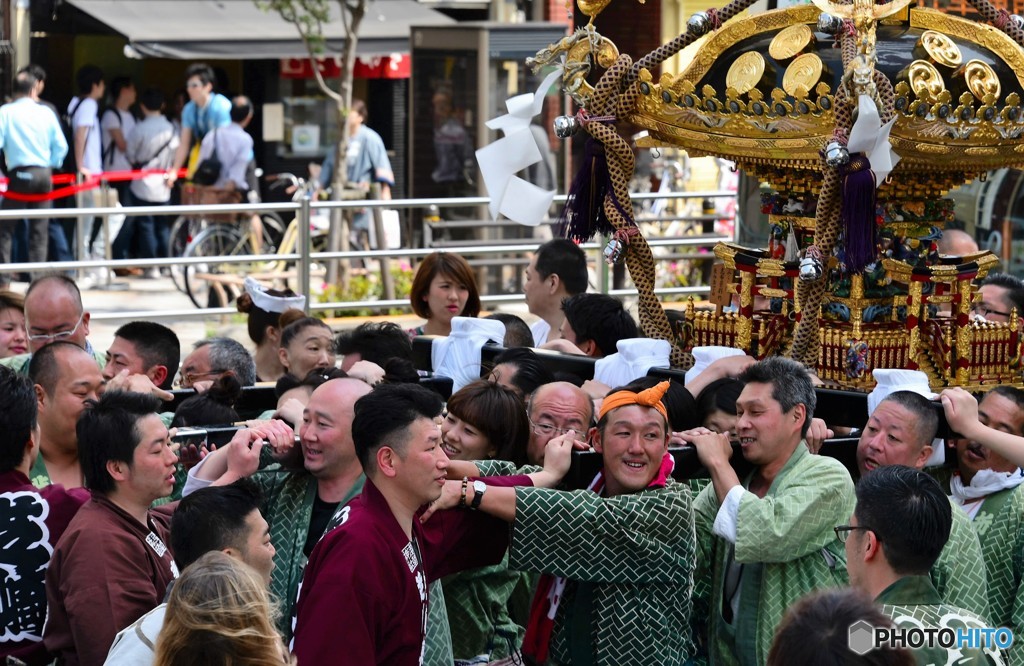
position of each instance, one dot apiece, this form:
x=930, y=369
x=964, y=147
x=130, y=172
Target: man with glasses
x=555, y=409
x=901, y=524
x=213, y=358
x=998, y=294
x=766, y=540
x=900, y=432
x=54, y=313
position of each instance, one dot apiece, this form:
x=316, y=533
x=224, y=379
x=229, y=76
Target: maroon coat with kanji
x=32, y=520
x=363, y=598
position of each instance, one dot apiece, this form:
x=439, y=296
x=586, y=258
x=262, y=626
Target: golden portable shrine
x=861, y=117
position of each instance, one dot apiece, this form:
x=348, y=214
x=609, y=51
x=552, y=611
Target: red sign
x=394, y=66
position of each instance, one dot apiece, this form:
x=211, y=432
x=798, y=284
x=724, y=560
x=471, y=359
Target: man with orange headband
x=617, y=559
x=767, y=540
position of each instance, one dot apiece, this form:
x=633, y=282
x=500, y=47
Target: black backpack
x=67, y=127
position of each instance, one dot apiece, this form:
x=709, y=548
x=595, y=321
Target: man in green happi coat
x=767, y=540
x=900, y=432
x=616, y=558
x=900, y=526
x=990, y=490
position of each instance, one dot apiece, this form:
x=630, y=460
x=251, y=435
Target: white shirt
x=135, y=644
x=540, y=329
x=148, y=146
x=115, y=159
x=85, y=116
x=234, y=150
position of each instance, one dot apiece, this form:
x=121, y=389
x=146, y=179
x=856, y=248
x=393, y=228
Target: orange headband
x=647, y=398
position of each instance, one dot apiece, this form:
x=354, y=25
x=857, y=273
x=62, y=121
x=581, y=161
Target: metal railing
x=305, y=258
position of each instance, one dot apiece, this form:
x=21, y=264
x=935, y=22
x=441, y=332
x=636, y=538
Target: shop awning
x=239, y=30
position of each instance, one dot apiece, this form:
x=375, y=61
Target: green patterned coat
x=959, y=575
x=477, y=601
x=288, y=507
x=912, y=601
x=787, y=546
x=1000, y=527
x=631, y=556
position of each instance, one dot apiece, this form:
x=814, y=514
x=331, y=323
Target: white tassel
x=792, y=245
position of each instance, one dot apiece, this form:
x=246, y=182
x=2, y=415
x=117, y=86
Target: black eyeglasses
x=843, y=531
x=983, y=310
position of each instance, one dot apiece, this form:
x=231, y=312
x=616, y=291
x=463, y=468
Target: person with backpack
x=205, y=112
x=151, y=145
x=85, y=157
x=117, y=123
x=33, y=144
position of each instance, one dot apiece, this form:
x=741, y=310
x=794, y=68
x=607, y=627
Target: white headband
x=268, y=303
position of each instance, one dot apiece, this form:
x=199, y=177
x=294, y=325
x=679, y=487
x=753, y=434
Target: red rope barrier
x=73, y=187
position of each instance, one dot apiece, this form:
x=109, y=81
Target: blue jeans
x=144, y=226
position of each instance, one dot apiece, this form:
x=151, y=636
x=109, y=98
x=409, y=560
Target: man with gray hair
x=766, y=540
x=213, y=358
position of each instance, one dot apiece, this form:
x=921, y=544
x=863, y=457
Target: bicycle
x=216, y=284
x=189, y=228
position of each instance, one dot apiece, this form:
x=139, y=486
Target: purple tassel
x=858, y=213
x=583, y=215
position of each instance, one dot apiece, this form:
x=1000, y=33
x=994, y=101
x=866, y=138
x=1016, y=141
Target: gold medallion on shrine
x=802, y=74
x=746, y=72
x=939, y=49
x=790, y=42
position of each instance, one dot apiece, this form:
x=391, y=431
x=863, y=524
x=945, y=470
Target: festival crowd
x=364, y=520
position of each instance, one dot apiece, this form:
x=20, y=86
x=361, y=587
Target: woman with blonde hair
x=219, y=613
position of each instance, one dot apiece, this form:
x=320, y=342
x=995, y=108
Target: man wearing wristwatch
x=366, y=586
x=616, y=560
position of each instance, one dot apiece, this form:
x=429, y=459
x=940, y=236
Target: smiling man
x=617, y=560
x=989, y=489
x=767, y=540
x=367, y=586
x=900, y=432
x=113, y=565
x=300, y=503
x=66, y=381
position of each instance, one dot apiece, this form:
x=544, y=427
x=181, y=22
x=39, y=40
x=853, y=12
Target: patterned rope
x=1000, y=19
x=666, y=51
x=618, y=207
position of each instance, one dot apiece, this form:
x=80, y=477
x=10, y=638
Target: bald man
x=554, y=409
x=53, y=313
x=957, y=243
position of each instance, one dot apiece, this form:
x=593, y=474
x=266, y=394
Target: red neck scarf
x=548, y=596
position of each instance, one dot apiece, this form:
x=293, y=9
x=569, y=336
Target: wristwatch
x=479, y=488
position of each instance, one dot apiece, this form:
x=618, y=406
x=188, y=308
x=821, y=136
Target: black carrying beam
x=256, y=400
x=836, y=407
x=585, y=464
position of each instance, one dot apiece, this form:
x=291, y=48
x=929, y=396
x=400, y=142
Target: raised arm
x=962, y=415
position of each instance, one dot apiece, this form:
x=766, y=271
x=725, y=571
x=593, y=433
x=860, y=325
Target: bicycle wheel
x=273, y=232
x=183, y=231
x=213, y=284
